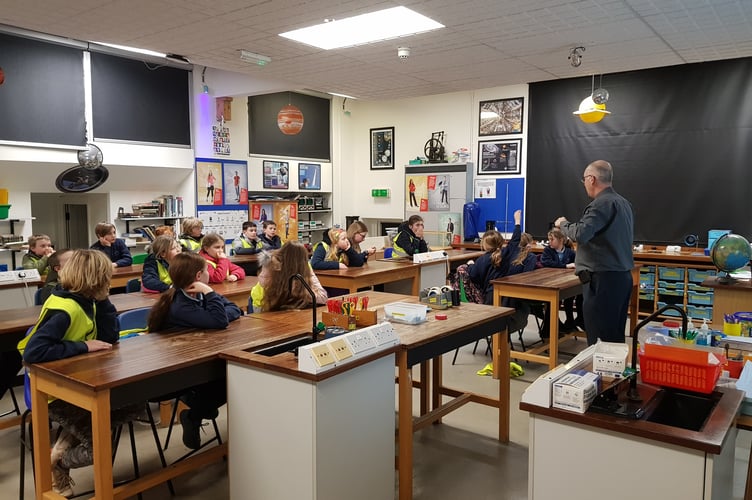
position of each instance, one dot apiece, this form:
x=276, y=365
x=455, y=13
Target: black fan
x=80, y=179
x=434, y=149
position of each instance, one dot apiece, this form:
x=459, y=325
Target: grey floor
x=459, y=459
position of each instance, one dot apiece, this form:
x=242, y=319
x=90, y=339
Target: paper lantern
x=290, y=120
x=590, y=112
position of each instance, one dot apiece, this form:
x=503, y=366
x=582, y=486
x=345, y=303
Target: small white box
x=404, y=312
x=576, y=390
x=610, y=358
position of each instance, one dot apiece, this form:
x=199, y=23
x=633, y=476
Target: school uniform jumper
x=220, y=269
x=156, y=275
x=117, y=252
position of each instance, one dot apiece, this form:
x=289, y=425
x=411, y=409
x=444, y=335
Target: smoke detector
x=403, y=52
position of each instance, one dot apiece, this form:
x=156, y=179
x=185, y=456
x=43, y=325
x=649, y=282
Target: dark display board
x=266, y=137
x=679, y=139
x=42, y=98
x=140, y=102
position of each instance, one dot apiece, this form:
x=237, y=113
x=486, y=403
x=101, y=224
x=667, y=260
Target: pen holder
x=734, y=329
x=357, y=319
x=436, y=300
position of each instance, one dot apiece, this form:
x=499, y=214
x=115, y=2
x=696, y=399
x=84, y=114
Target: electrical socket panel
x=322, y=355
x=340, y=349
x=384, y=334
x=360, y=341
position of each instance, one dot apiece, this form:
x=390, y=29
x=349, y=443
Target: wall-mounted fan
x=87, y=175
x=691, y=240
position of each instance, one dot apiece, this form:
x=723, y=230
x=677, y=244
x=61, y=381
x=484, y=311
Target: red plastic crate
x=679, y=368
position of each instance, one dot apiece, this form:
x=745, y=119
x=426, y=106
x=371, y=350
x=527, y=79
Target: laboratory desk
x=248, y=262
x=138, y=368
x=427, y=342
x=236, y=291
x=121, y=275
x=729, y=297
x=550, y=285
x=373, y=272
x=592, y=456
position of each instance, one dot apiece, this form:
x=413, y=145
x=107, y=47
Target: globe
x=731, y=252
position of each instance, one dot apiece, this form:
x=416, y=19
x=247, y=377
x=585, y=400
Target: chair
x=133, y=285
x=38, y=297
x=134, y=321
x=139, y=258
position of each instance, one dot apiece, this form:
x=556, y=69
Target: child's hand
x=517, y=216
x=221, y=254
x=49, y=251
x=198, y=287
x=570, y=265
x=371, y=250
x=97, y=345
x=232, y=278
x=342, y=265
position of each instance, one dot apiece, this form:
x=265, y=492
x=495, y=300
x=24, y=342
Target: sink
x=682, y=409
x=289, y=346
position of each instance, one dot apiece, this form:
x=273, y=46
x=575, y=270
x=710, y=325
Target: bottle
x=704, y=327
x=690, y=325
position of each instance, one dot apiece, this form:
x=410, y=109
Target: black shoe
x=580, y=323
x=191, y=430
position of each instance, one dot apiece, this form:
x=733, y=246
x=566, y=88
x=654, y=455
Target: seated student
x=337, y=255
x=248, y=242
x=164, y=230
x=269, y=238
x=56, y=261
x=288, y=261
x=559, y=253
x=156, y=276
x=190, y=240
x=76, y=319
x=409, y=239
x=256, y=300
x=356, y=233
x=40, y=248
x=111, y=245
x=191, y=303
x=521, y=257
x=220, y=267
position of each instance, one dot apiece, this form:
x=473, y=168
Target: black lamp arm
x=299, y=277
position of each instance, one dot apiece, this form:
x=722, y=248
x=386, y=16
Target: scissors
x=347, y=308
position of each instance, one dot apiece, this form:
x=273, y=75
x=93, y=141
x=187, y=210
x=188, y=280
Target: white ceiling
x=486, y=43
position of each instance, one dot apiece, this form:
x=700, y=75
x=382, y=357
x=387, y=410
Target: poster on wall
x=221, y=140
x=438, y=192
x=283, y=213
x=276, y=174
x=309, y=176
x=208, y=184
x=235, y=184
x=416, y=192
x=451, y=224
x=226, y=223
x=485, y=188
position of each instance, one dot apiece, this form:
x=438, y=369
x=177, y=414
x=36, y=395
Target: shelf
x=321, y=211
x=311, y=230
x=150, y=218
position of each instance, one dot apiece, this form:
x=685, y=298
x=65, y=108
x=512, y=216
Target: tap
x=633, y=394
x=314, y=327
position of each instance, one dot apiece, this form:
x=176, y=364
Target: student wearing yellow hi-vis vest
x=156, y=275
x=409, y=239
x=77, y=318
x=191, y=237
x=220, y=268
x=248, y=242
x=334, y=252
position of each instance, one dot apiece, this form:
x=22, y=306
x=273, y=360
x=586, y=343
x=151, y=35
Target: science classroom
x=504, y=263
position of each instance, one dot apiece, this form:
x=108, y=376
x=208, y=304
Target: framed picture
x=309, y=176
x=382, y=148
x=502, y=116
x=276, y=174
x=500, y=157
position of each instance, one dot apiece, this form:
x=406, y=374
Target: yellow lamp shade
x=590, y=112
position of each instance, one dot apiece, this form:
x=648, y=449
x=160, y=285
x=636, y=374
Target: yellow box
x=3, y=196
x=732, y=328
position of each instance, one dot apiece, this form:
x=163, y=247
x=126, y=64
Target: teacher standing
x=604, y=262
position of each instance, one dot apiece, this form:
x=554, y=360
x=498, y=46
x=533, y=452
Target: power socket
x=384, y=334
x=322, y=355
x=360, y=342
x=340, y=349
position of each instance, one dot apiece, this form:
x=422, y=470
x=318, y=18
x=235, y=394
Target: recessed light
x=365, y=28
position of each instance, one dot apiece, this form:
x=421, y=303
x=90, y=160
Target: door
x=76, y=231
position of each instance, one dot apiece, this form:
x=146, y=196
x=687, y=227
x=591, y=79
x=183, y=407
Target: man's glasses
x=584, y=179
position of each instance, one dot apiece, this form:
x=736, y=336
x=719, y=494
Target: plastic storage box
x=671, y=273
x=680, y=368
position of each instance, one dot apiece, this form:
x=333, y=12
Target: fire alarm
x=403, y=52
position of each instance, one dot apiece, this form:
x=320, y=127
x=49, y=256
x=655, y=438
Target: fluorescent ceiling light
x=133, y=49
x=365, y=28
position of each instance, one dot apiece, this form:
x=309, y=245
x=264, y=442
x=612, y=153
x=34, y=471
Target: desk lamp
x=314, y=329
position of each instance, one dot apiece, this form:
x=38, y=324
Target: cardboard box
x=576, y=390
x=610, y=358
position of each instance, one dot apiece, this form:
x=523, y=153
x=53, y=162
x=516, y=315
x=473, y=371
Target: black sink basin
x=686, y=410
x=289, y=346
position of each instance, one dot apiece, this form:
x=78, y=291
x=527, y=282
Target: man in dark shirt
x=604, y=262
